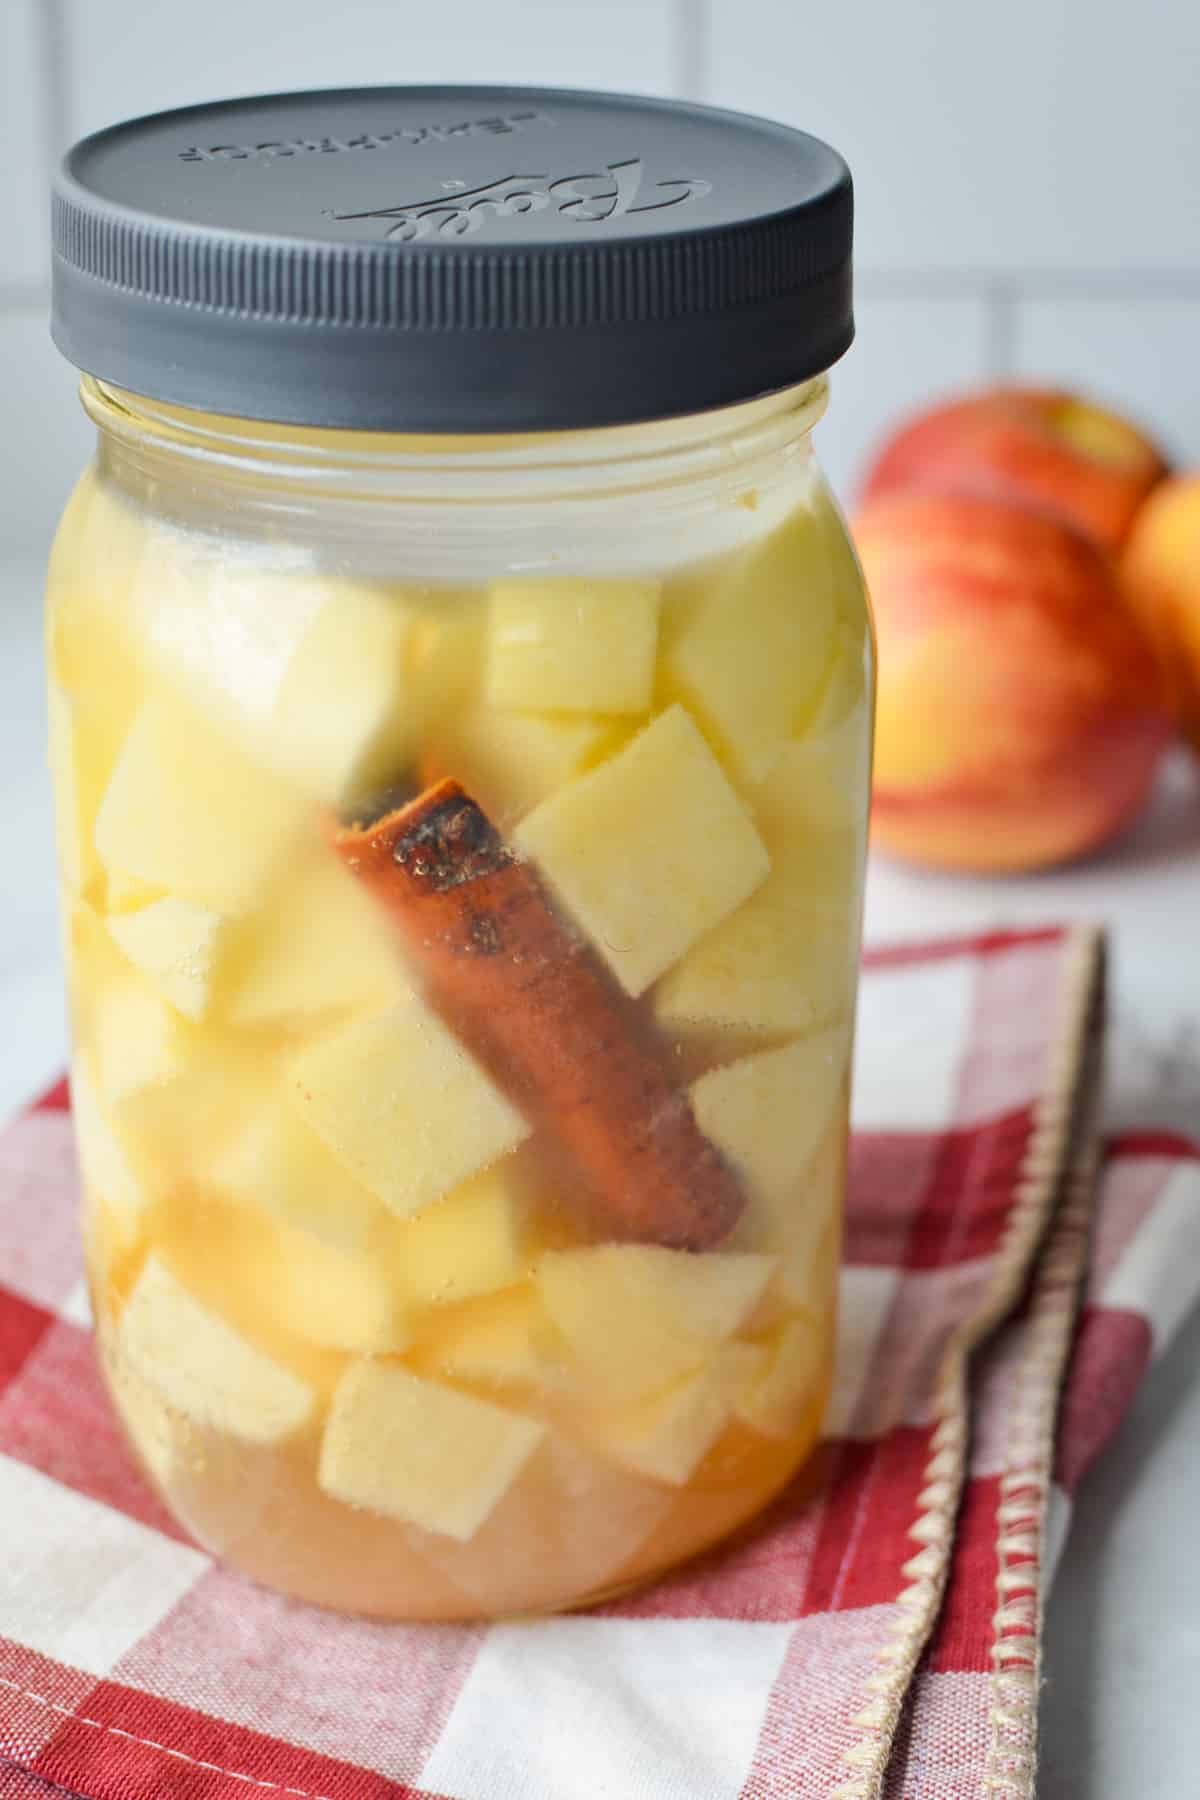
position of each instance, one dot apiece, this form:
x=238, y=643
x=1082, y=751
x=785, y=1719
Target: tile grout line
x=690, y=43
x=1029, y=284
x=54, y=59
x=1000, y=331
x=50, y=51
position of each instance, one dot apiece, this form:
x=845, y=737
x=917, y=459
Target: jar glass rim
x=525, y=466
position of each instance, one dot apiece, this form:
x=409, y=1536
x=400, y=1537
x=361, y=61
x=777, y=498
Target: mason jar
x=460, y=704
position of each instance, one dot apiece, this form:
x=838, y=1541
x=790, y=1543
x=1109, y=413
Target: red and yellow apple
x=1161, y=567
x=1045, y=447
x=1021, y=712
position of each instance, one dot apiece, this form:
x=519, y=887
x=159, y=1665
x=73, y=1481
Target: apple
x=1021, y=712
x=1046, y=447
x=1161, y=567
x=421, y=1452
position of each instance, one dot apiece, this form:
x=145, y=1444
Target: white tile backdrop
x=1028, y=174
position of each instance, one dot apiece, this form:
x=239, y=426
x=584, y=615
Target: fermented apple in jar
x=461, y=842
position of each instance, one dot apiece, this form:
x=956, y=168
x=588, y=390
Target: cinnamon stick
x=540, y=1011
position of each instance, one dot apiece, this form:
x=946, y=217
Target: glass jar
x=461, y=839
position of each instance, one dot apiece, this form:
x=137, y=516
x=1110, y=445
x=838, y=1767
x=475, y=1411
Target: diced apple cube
x=637, y=1317
x=812, y=812
x=669, y=1434
x=322, y=947
x=510, y=761
x=573, y=644
x=344, y=718
x=808, y=1244
x=74, y=805
x=186, y=812
x=307, y=667
x=277, y=1165
x=153, y=1430
x=113, y=1253
x=71, y=832
x=337, y=1299
x=93, y=558
x=748, y=646
x=181, y=1125
x=807, y=1232
x=782, y=963
x=172, y=1096
x=844, y=693
x=108, y=1174
x=795, y=1184
x=467, y=1243
x=445, y=651
x=399, y=1102
x=648, y=851
x=502, y=1340
x=563, y=1532
x=202, y=1369
x=779, y=1397
x=86, y=732
x=818, y=786
x=91, y=953
x=222, y=629
x=420, y=1452
x=127, y=893
x=178, y=946
x=768, y=1113
x=94, y=682
x=137, y=1041
x=844, y=566
x=263, y=1278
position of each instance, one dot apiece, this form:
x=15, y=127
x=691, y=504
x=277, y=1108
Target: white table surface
x=1121, y=1718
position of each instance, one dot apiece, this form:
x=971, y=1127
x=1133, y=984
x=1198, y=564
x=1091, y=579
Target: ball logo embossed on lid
x=452, y=258
x=588, y=199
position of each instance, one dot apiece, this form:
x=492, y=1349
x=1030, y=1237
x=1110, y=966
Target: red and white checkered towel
x=880, y=1621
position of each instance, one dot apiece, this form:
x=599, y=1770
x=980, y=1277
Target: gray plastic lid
x=452, y=258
